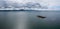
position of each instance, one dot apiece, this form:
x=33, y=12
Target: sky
x=52, y=4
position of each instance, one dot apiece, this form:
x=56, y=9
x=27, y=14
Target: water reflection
x=29, y=20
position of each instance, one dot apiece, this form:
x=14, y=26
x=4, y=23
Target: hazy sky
x=52, y=4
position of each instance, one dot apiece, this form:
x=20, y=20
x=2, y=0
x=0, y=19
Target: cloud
x=52, y=4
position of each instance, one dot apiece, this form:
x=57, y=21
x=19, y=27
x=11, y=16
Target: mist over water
x=29, y=20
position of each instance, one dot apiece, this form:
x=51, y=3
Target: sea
x=29, y=20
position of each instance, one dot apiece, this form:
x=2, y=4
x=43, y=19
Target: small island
x=41, y=16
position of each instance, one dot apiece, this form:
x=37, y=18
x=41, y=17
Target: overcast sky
x=52, y=4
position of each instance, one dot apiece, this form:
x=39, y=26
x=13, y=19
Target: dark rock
x=41, y=17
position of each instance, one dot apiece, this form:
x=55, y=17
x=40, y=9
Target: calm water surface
x=29, y=20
